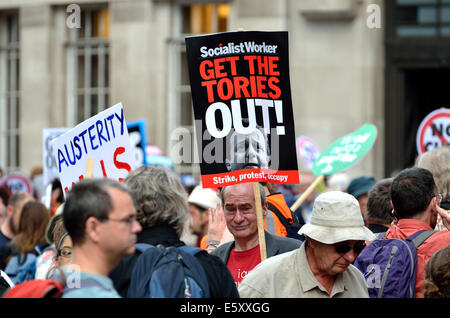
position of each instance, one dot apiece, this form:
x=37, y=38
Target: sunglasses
x=345, y=247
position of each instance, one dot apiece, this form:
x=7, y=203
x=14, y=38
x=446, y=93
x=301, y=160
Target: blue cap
x=360, y=185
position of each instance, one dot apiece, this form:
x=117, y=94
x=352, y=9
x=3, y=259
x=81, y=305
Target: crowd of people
x=107, y=239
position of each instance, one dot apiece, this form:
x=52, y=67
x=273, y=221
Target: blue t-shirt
x=86, y=285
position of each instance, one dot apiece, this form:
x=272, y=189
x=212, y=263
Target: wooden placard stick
x=259, y=219
x=259, y=213
x=89, y=168
x=307, y=192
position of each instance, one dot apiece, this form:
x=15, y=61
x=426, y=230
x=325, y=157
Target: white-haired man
x=320, y=268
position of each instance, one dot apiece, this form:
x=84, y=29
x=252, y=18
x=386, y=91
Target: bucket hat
x=336, y=217
x=204, y=198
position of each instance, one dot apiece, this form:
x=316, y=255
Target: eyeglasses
x=127, y=220
x=65, y=252
x=394, y=214
x=345, y=247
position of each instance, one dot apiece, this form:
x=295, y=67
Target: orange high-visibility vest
x=272, y=222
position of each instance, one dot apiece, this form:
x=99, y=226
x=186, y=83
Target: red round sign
x=17, y=182
x=434, y=131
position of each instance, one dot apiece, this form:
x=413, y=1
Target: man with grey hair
x=162, y=210
x=100, y=218
x=243, y=254
x=322, y=266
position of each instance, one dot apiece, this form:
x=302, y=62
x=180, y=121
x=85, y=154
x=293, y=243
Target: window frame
x=176, y=89
x=10, y=91
x=393, y=12
x=87, y=47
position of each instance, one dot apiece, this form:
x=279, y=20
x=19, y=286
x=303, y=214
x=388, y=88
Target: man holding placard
x=243, y=111
x=242, y=254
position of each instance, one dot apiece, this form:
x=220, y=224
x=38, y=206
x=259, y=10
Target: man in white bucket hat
x=322, y=266
x=200, y=200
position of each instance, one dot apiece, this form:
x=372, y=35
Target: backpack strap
x=280, y=215
x=204, y=283
x=142, y=247
x=419, y=237
x=38, y=250
x=191, y=250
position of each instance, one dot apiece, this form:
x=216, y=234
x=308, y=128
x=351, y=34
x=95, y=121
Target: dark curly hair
x=437, y=274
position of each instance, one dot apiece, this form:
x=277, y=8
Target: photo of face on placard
x=247, y=151
x=242, y=106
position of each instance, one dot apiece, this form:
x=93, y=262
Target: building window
x=9, y=92
x=422, y=18
x=88, y=66
x=189, y=20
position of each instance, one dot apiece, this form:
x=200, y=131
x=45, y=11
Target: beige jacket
x=289, y=275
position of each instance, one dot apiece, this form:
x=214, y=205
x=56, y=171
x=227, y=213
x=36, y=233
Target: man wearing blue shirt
x=100, y=217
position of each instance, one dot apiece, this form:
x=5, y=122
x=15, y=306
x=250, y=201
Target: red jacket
x=439, y=240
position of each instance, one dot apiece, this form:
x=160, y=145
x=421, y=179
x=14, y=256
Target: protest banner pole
x=259, y=218
x=307, y=192
x=259, y=214
x=89, y=168
x=206, y=54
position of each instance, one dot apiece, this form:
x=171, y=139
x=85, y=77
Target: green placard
x=346, y=151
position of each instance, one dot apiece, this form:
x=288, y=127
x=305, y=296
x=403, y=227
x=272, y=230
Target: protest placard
x=346, y=151
x=136, y=131
x=17, y=182
x=307, y=150
x=50, y=170
x=242, y=107
x=340, y=155
x=434, y=131
x=104, y=138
